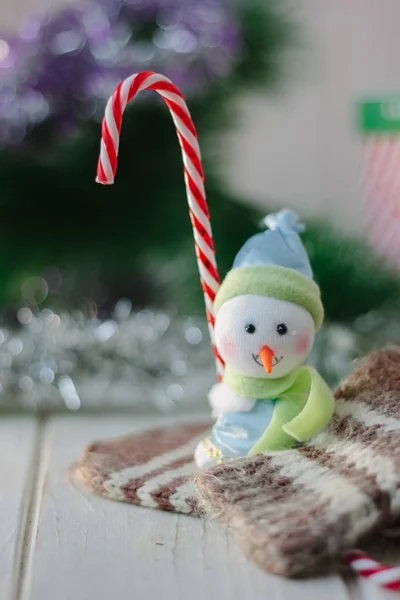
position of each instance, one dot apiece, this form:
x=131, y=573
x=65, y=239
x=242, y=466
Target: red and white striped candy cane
x=193, y=170
x=382, y=575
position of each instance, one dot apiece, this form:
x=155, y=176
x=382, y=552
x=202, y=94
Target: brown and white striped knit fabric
x=295, y=510
x=292, y=511
x=154, y=468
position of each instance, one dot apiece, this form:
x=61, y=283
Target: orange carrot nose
x=266, y=355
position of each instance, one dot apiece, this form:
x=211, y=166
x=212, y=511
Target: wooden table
x=58, y=542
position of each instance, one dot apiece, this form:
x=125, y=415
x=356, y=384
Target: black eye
x=281, y=328
x=250, y=328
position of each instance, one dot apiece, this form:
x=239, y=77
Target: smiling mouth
x=276, y=361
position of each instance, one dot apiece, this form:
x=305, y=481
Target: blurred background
x=297, y=103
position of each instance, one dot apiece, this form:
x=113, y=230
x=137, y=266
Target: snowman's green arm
x=302, y=413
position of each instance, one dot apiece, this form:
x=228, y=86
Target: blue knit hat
x=279, y=245
x=274, y=264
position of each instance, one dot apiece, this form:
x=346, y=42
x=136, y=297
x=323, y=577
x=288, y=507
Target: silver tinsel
x=67, y=361
x=338, y=345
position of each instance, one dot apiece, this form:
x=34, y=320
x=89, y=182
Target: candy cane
x=382, y=575
x=193, y=171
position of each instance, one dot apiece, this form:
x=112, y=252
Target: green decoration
x=380, y=115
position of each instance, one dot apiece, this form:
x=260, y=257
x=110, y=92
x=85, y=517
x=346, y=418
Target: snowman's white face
x=252, y=330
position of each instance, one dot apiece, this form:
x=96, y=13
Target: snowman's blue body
x=235, y=433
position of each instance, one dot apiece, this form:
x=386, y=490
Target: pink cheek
x=228, y=348
x=302, y=342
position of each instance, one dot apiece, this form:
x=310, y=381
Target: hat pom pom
x=279, y=245
x=286, y=220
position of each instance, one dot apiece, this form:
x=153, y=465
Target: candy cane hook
x=193, y=172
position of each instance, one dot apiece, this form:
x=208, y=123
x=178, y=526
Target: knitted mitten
x=151, y=468
x=295, y=510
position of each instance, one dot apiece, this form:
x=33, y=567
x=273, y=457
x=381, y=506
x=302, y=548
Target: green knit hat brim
x=273, y=281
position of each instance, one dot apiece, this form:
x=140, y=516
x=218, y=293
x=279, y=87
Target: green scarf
x=304, y=405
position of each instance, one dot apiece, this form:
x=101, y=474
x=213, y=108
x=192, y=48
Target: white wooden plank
x=17, y=444
x=88, y=547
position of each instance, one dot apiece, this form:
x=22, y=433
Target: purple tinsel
x=62, y=67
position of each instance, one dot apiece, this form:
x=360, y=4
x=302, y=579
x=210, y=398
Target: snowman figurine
x=268, y=309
